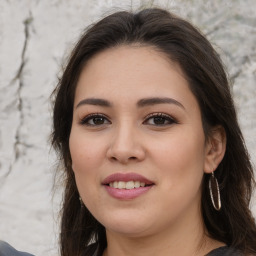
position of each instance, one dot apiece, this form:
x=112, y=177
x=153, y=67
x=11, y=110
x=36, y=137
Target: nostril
x=125, y=154
x=123, y=159
x=113, y=158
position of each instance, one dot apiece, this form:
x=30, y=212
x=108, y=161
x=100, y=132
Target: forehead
x=131, y=71
x=141, y=57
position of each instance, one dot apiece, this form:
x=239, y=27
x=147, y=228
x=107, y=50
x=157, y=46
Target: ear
x=215, y=148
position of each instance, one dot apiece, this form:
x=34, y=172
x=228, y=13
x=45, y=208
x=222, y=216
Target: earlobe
x=215, y=148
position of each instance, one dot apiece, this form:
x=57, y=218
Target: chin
x=128, y=226
x=129, y=231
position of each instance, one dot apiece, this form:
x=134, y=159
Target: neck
x=183, y=240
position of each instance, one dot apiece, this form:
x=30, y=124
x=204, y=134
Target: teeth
x=121, y=184
x=136, y=184
x=127, y=185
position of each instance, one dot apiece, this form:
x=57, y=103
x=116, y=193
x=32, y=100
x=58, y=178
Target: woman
x=153, y=157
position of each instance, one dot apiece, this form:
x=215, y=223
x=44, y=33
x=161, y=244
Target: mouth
x=127, y=185
x=126, y=181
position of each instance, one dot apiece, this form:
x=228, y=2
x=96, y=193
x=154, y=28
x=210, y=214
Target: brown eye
x=95, y=120
x=159, y=119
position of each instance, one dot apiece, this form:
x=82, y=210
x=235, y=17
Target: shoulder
x=7, y=250
x=225, y=251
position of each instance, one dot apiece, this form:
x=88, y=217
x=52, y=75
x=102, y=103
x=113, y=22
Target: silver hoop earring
x=81, y=202
x=215, y=192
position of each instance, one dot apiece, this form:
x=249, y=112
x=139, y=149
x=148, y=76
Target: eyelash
x=162, y=116
x=170, y=120
x=85, y=120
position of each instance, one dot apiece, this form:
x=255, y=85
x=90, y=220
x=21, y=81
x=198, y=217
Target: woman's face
x=137, y=143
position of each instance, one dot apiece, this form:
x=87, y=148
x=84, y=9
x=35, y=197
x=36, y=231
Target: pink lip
x=126, y=194
x=126, y=177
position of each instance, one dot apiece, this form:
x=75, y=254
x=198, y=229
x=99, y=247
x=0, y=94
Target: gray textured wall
x=35, y=38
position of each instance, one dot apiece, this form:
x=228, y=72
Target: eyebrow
x=157, y=100
x=141, y=103
x=94, y=101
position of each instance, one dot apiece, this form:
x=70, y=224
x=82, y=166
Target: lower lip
x=126, y=194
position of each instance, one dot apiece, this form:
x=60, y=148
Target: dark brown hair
x=184, y=44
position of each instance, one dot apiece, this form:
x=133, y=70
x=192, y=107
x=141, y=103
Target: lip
x=126, y=177
x=126, y=194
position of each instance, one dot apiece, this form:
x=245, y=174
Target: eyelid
x=84, y=120
x=163, y=115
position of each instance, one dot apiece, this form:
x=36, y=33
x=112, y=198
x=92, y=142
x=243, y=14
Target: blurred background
x=36, y=37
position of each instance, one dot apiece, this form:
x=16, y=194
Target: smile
x=127, y=185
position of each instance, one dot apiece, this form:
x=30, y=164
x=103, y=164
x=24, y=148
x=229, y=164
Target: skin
x=166, y=220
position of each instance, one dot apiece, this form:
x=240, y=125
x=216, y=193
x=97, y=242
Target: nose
x=126, y=146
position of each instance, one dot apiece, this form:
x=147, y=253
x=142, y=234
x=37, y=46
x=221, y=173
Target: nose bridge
x=125, y=136
x=126, y=144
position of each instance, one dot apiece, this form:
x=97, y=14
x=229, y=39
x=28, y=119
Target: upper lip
x=126, y=177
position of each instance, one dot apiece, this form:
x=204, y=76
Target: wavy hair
x=184, y=44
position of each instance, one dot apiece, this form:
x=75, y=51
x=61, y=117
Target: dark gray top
x=7, y=250
x=221, y=251
x=224, y=251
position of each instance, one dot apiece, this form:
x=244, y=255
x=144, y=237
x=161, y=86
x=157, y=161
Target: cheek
x=181, y=157
x=86, y=161
x=86, y=153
